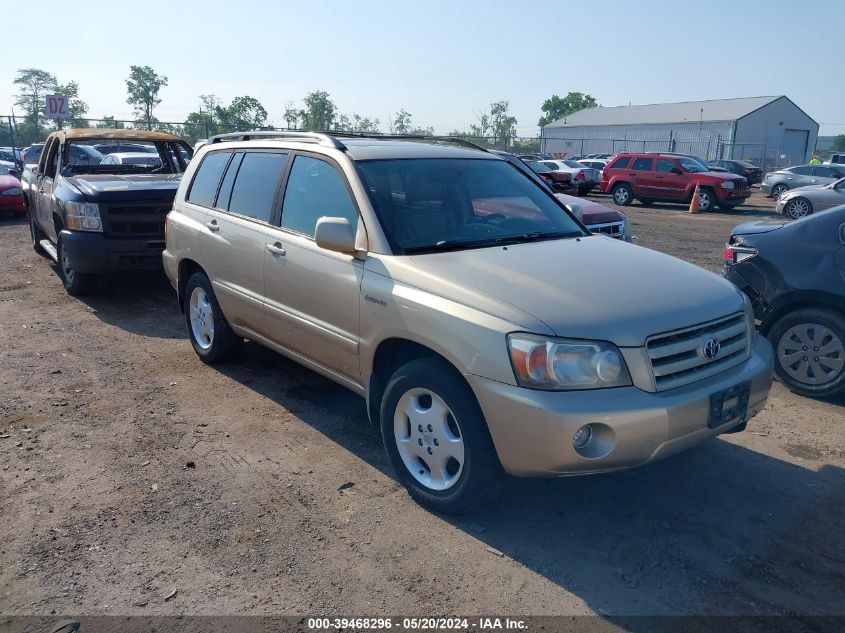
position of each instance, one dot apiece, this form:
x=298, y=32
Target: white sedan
x=584, y=177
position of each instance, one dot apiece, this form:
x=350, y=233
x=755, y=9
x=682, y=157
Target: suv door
x=234, y=233
x=669, y=181
x=641, y=176
x=312, y=295
x=48, y=168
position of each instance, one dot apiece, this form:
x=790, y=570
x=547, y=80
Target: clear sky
x=443, y=61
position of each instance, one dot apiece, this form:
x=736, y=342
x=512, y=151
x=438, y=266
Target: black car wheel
x=437, y=439
x=36, y=235
x=75, y=282
x=810, y=352
x=798, y=208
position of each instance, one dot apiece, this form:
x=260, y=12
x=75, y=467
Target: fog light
x=582, y=437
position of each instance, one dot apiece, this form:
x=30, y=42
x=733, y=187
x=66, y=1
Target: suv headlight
x=557, y=364
x=83, y=216
x=727, y=184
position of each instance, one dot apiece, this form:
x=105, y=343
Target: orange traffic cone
x=695, y=203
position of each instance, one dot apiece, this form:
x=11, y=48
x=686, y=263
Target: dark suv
x=670, y=178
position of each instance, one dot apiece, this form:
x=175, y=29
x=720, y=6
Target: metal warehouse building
x=768, y=131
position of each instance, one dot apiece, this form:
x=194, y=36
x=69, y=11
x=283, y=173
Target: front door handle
x=213, y=226
x=276, y=248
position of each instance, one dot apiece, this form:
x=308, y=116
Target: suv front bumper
x=98, y=254
x=533, y=430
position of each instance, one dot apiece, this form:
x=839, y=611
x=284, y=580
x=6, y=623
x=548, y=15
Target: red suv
x=671, y=178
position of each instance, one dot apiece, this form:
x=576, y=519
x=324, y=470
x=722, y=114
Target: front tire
x=622, y=195
x=437, y=439
x=810, y=352
x=211, y=336
x=798, y=208
x=75, y=282
x=36, y=235
x=706, y=200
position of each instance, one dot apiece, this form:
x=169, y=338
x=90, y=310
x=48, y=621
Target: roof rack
x=317, y=137
x=330, y=139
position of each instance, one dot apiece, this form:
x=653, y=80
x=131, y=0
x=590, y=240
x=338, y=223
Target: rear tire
x=622, y=194
x=36, y=234
x=443, y=406
x=778, y=189
x=211, y=336
x=75, y=283
x=800, y=338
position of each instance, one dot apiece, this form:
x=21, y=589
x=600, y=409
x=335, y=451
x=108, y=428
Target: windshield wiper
x=454, y=245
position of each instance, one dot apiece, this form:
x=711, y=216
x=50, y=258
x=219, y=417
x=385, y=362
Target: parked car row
x=487, y=328
x=778, y=182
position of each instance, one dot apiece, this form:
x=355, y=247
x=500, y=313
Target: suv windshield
x=133, y=157
x=692, y=165
x=429, y=205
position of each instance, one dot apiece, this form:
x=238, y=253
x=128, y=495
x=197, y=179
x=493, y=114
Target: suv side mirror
x=335, y=234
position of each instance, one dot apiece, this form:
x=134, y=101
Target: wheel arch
x=390, y=355
x=187, y=267
x=800, y=301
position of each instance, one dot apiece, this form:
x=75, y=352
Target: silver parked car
x=487, y=329
x=776, y=182
x=803, y=201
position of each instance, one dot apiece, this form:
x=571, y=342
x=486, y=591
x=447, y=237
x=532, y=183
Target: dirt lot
x=130, y=470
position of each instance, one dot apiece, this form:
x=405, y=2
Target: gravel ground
x=131, y=471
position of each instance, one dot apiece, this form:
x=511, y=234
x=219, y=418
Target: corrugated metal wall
x=701, y=139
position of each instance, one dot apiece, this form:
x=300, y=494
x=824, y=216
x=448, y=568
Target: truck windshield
x=130, y=156
x=431, y=205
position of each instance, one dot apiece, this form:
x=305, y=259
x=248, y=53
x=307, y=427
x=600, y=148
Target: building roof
x=686, y=111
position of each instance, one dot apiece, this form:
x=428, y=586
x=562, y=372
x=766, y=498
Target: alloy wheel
x=797, y=208
x=202, y=318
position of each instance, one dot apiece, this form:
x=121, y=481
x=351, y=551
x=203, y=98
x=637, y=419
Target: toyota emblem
x=711, y=348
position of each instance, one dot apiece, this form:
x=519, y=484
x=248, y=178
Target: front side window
x=315, y=190
x=254, y=191
x=824, y=172
x=204, y=187
x=643, y=163
x=429, y=205
x=665, y=166
x=802, y=171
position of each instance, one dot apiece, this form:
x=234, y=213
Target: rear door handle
x=213, y=226
x=276, y=248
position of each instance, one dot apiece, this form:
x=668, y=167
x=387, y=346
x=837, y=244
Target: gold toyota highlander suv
x=488, y=330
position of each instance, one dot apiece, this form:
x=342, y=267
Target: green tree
x=403, y=123
x=33, y=84
x=502, y=123
x=291, y=116
x=556, y=107
x=320, y=111
x=142, y=89
x=77, y=108
x=244, y=113
x=108, y=122
x=838, y=144
x=365, y=124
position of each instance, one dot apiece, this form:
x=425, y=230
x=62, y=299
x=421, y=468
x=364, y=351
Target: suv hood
x=592, y=288
x=592, y=212
x=113, y=187
x=720, y=175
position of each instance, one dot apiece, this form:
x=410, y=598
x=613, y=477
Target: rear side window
x=254, y=191
x=315, y=189
x=204, y=187
x=621, y=162
x=643, y=163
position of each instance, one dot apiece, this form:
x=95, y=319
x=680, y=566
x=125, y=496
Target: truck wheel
x=706, y=200
x=211, y=336
x=437, y=439
x=810, y=352
x=75, y=283
x=36, y=234
x=622, y=195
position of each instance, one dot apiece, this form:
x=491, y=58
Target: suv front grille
x=678, y=358
x=140, y=219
